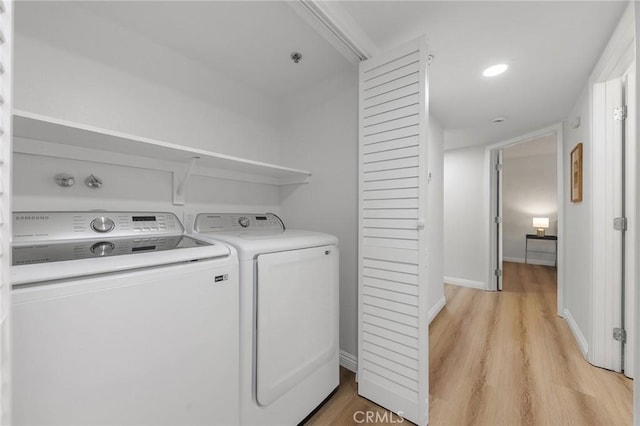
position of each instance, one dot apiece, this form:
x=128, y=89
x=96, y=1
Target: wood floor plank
x=504, y=358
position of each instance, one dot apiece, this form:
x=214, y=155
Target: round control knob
x=244, y=222
x=102, y=248
x=102, y=224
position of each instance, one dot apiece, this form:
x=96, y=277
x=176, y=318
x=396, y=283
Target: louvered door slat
x=400, y=163
x=390, y=361
x=383, y=98
x=389, y=295
x=393, y=154
x=407, y=312
x=400, y=70
x=392, y=144
x=393, y=358
x=392, y=135
x=389, y=373
x=394, y=255
x=390, y=243
x=391, y=213
x=411, y=99
x=383, y=284
x=392, y=125
x=391, y=184
x=394, y=326
x=392, y=336
x=379, y=71
x=391, y=114
x=404, y=267
x=407, y=352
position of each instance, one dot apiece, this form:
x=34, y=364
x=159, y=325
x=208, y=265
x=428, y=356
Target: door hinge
x=620, y=223
x=498, y=167
x=620, y=113
x=620, y=335
x=498, y=272
x=498, y=219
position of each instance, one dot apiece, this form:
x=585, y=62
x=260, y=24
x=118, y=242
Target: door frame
x=491, y=200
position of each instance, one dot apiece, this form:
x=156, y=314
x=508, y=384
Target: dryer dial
x=244, y=221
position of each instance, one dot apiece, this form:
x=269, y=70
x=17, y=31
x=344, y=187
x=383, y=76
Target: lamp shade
x=540, y=222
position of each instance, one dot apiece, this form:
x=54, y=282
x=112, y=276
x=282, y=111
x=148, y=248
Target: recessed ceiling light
x=494, y=70
x=498, y=119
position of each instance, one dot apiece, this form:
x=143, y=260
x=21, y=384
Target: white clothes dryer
x=289, y=314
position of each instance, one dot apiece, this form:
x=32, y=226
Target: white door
x=609, y=247
x=392, y=280
x=6, y=76
x=296, y=309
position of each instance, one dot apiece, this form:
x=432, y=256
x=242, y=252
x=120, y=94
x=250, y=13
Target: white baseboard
x=465, y=283
x=435, y=309
x=577, y=333
x=530, y=261
x=348, y=361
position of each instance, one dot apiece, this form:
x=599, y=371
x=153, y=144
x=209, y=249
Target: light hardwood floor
x=504, y=358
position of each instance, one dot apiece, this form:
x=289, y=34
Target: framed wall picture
x=576, y=174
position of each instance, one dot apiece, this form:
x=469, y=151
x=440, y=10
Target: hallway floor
x=507, y=359
x=504, y=359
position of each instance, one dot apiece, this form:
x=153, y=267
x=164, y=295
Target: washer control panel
x=29, y=227
x=225, y=222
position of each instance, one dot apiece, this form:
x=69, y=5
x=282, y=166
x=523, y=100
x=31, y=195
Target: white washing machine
x=119, y=319
x=288, y=315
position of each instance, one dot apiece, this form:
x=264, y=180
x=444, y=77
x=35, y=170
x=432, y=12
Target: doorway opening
x=525, y=182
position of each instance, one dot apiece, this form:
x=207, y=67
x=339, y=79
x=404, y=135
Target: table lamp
x=541, y=223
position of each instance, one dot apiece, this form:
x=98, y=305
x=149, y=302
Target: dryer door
x=296, y=318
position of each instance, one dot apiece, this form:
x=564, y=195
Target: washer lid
x=252, y=243
x=102, y=264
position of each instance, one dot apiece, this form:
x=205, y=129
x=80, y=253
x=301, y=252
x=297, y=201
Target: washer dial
x=102, y=224
x=244, y=221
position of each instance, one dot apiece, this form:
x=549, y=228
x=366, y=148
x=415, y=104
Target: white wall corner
x=348, y=361
x=435, y=309
x=577, y=333
x=465, y=283
x=619, y=53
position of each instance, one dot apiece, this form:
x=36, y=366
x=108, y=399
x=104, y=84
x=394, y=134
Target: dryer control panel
x=29, y=227
x=225, y=222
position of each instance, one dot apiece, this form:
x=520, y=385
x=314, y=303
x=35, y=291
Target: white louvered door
x=6, y=93
x=392, y=308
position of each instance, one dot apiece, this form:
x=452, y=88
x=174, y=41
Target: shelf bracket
x=180, y=182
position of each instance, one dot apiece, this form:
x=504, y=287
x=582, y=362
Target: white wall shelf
x=42, y=135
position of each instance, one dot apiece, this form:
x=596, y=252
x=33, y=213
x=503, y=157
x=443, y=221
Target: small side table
x=545, y=238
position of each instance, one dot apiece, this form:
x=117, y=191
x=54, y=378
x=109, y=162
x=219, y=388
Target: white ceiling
x=551, y=48
x=250, y=41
